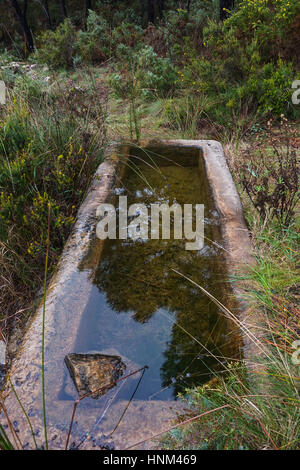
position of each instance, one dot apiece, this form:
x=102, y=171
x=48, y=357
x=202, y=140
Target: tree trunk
x=150, y=9
x=22, y=18
x=64, y=9
x=228, y=5
x=88, y=6
x=47, y=13
x=161, y=7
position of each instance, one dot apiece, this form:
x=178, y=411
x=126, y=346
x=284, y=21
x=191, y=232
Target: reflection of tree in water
x=137, y=277
x=188, y=361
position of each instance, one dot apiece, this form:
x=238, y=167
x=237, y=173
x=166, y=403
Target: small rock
x=89, y=372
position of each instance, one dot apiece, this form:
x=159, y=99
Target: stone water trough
x=67, y=296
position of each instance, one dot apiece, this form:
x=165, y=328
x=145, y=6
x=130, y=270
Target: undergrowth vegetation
x=270, y=174
x=51, y=139
x=233, y=61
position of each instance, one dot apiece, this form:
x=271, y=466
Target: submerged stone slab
x=89, y=372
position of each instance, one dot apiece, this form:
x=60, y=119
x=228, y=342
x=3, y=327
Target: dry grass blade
x=187, y=421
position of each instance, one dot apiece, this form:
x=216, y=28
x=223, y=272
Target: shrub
x=152, y=75
x=271, y=87
x=267, y=22
x=240, y=67
x=56, y=48
x=127, y=34
x=157, y=74
x=183, y=30
x=94, y=44
x=270, y=176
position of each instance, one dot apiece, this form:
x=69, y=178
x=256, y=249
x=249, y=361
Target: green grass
x=5, y=443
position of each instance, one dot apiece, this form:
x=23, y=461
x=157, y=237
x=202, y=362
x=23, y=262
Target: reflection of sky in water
x=138, y=302
x=141, y=343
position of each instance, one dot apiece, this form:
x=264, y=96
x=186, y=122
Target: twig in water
x=130, y=400
x=89, y=394
x=99, y=419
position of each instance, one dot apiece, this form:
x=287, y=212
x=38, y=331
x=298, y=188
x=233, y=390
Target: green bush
x=66, y=47
x=243, y=64
x=271, y=87
x=268, y=22
x=127, y=34
x=183, y=30
x=57, y=48
x=94, y=44
x=157, y=74
x=151, y=74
